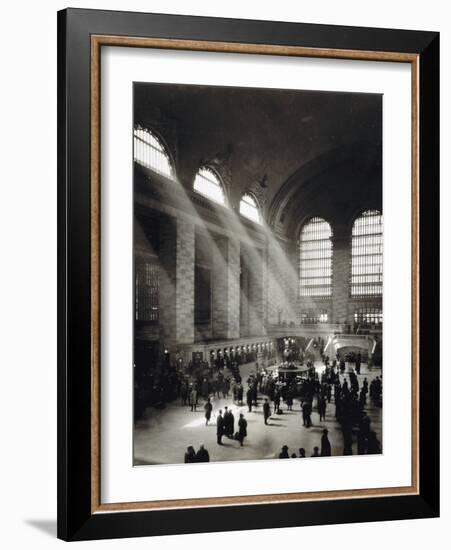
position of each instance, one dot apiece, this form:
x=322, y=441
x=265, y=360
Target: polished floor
x=162, y=436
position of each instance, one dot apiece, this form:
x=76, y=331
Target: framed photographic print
x=248, y=274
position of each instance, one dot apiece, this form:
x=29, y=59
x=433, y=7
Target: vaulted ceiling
x=297, y=150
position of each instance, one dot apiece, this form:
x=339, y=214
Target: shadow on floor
x=46, y=526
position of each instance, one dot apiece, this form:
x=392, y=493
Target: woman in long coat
x=208, y=408
x=242, y=429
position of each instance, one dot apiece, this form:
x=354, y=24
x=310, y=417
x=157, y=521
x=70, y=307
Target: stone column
x=176, y=292
x=226, y=289
x=341, y=277
x=244, y=298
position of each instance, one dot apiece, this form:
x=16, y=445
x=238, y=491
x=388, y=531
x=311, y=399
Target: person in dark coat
x=219, y=428
x=315, y=452
x=231, y=425
x=242, y=429
x=226, y=421
x=240, y=394
x=358, y=362
x=326, y=449
x=374, y=445
x=266, y=411
x=301, y=452
x=202, y=455
x=306, y=414
x=208, y=408
x=249, y=399
x=190, y=455
x=322, y=405
x=284, y=452
x=229, y=421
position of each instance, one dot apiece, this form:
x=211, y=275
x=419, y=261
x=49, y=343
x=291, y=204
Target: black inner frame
x=75, y=521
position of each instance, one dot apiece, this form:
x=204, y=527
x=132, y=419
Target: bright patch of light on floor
x=198, y=421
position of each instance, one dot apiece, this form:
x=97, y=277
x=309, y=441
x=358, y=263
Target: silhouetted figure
x=202, y=455
x=284, y=452
x=208, y=407
x=374, y=445
x=242, y=429
x=326, y=449
x=301, y=452
x=315, y=452
x=266, y=410
x=190, y=455
x=306, y=414
x=249, y=399
x=219, y=428
x=322, y=408
x=240, y=394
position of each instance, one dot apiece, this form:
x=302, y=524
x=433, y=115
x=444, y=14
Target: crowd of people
x=339, y=392
x=315, y=392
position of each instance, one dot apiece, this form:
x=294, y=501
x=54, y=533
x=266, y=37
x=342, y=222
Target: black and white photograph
x=258, y=274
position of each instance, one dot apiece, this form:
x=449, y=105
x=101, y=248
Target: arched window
x=249, y=208
x=366, y=271
x=151, y=153
x=208, y=184
x=315, y=258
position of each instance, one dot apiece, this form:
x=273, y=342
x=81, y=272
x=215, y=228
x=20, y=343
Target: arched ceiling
x=276, y=142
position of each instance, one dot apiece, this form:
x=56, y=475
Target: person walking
x=208, y=407
x=249, y=399
x=219, y=428
x=306, y=414
x=266, y=411
x=322, y=408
